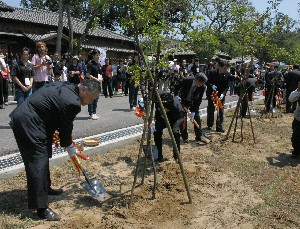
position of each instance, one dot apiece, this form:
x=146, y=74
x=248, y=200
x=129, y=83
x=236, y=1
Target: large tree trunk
x=60, y=27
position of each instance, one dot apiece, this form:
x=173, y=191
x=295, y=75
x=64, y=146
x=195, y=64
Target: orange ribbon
x=216, y=100
x=140, y=113
x=56, y=141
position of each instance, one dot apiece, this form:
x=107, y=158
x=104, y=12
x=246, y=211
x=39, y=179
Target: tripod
x=236, y=116
x=270, y=98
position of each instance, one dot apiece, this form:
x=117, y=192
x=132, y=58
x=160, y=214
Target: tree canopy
x=205, y=26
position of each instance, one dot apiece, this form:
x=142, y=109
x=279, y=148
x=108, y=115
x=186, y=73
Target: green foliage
x=205, y=43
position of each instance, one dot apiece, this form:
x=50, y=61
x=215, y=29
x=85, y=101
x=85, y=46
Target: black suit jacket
x=196, y=97
x=220, y=80
x=52, y=107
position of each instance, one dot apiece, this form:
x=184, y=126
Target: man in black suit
x=191, y=90
x=273, y=82
x=218, y=80
x=53, y=107
x=291, y=82
x=175, y=113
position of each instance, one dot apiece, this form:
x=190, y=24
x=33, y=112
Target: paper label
x=27, y=81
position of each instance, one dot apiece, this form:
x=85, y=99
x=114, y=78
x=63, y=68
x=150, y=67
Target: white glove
x=71, y=150
x=221, y=96
x=192, y=116
x=177, y=97
x=214, y=87
x=152, y=129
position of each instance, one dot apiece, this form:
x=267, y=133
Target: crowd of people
x=29, y=72
x=182, y=87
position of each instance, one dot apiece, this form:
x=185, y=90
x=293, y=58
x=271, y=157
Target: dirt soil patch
x=238, y=184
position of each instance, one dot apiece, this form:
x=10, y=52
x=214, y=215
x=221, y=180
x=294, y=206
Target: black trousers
x=210, y=114
x=133, y=94
x=160, y=125
x=107, y=84
x=5, y=90
x=1, y=90
x=36, y=162
x=289, y=107
x=198, y=131
x=296, y=137
x=270, y=97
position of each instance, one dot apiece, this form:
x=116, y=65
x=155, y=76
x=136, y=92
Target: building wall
x=14, y=44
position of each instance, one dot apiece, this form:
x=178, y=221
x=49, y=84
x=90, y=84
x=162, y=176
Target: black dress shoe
x=186, y=141
x=294, y=156
x=220, y=130
x=47, y=214
x=159, y=159
x=55, y=192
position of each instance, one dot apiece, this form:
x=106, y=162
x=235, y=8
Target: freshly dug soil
x=238, y=184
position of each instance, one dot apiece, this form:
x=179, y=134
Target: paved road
x=114, y=114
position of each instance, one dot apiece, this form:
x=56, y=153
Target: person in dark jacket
x=22, y=74
x=190, y=91
x=94, y=72
x=295, y=139
x=291, y=82
x=75, y=71
x=175, y=114
x=196, y=67
x=218, y=80
x=273, y=83
x=34, y=122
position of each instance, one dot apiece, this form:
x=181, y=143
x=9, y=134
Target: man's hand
x=71, y=150
x=221, y=96
x=24, y=88
x=214, y=87
x=192, y=116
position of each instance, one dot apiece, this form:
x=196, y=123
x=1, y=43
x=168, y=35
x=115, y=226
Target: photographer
x=42, y=65
x=273, y=82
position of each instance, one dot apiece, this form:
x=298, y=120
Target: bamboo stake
x=138, y=161
x=242, y=125
x=252, y=129
x=236, y=119
x=168, y=126
x=232, y=120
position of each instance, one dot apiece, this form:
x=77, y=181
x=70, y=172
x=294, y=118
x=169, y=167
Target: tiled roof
x=178, y=52
x=4, y=7
x=51, y=18
x=42, y=37
x=109, y=48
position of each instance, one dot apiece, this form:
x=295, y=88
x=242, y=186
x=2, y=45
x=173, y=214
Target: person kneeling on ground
x=175, y=114
x=295, y=97
x=52, y=107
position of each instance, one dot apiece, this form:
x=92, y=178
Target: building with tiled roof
x=4, y=7
x=21, y=27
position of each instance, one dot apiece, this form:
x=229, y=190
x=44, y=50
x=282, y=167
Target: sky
x=288, y=7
